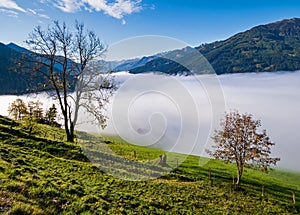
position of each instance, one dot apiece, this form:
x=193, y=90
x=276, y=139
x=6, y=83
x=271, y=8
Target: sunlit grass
x=44, y=175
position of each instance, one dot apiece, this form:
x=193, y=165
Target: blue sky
x=194, y=22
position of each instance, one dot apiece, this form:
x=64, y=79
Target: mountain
x=10, y=81
x=127, y=65
x=175, y=62
x=271, y=47
x=265, y=48
x=18, y=48
x=14, y=81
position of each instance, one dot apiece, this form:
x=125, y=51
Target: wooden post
x=263, y=191
x=165, y=160
x=294, y=198
x=160, y=160
x=233, y=182
x=12, y=124
x=209, y=173
x=134, y=155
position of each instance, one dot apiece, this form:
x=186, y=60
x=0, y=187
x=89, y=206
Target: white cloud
x=32, y=11
x=37, y=13
x=43, y=16
x=272, y=97
x=11, y=5
x=152, y=7
x=68, y=6
x=9, y=13
x=117, y=9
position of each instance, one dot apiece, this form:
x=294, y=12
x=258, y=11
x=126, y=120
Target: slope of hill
x=271, y=47
x=41, y=174
x=10, y=81
x=13, y=79
x=134, y=63
x=18, y=48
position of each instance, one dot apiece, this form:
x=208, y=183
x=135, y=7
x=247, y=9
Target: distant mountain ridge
x=17, y=48
x=10, y=81
x=14, y=81
x=264, y=48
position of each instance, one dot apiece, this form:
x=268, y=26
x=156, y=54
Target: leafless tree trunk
x=239, y=175
x=294, y=198
x=68, y=60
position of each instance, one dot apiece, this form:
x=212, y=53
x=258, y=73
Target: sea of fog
x=180, y=113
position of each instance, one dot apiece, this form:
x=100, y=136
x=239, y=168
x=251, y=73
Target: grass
x=42, y=174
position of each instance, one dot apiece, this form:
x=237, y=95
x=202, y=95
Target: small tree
x=35, y=110
x=51, y=115
x=239, y=141
x=17, y=109
x=30, y=123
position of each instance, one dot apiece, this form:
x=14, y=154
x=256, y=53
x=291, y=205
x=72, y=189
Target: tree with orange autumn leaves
x=240, y=141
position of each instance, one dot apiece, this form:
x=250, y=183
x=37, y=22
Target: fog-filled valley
x=180, y=113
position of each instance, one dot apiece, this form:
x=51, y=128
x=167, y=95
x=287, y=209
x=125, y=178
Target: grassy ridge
x=42, y=175
x=264, y=48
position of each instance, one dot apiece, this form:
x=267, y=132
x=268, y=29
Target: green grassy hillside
x=42, y=174
x=264, y=48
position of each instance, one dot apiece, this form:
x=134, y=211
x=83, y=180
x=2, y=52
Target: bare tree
x=67, y=62
x=239, y=141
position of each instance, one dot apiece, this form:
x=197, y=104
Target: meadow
x=43, y=174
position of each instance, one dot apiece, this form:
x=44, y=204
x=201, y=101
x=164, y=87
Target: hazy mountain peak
x=17, y=48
